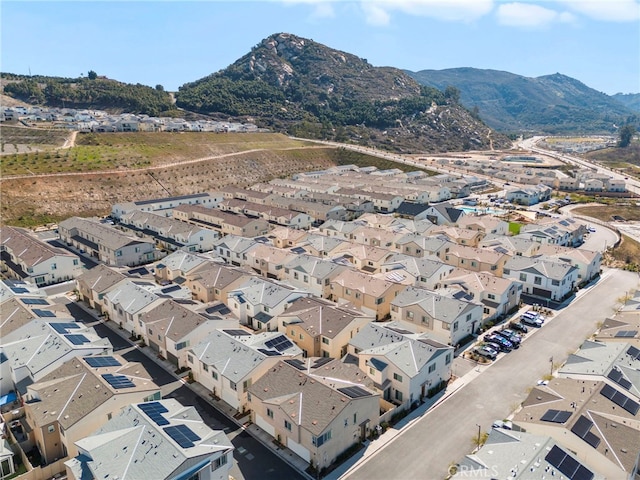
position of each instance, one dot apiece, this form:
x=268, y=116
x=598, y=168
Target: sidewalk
x=256, y=432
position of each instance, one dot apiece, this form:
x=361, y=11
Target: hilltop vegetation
x=551, y=104
x=304, y=88
x=85, y=92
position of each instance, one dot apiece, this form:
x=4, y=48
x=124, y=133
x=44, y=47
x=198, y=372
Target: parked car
x=499, y=340
x=486, y=352
x=532, y=314
x=497, y=347
x=518, y=327
x=531, y=321
x=510, y=335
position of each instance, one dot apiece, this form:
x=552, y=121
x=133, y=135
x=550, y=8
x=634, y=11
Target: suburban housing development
x=316, y=311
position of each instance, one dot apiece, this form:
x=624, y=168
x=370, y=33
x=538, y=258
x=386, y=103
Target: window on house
x=372, y=371
x=347, y=291
x=397, y=377
x=325, y=340
x=432, y=368
x=322, y=439
x=485, y=310
x=468, y=317
x=219, y=462
x=555, y=283
x=189, y=359
x=523, y=277
x=205, y=367
x=214, y=375
x=506, y=271
x=246, y=384
x=455, y=326
x=398, y=395
x=491, y=296
x=379, y=300
x=269, y=413
x=233, y=386
x=447, y=359
x=537, y=280
x=51, y=428
x=410, y=315
x=287, y=425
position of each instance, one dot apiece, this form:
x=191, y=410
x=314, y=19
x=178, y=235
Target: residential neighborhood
x=314, y=325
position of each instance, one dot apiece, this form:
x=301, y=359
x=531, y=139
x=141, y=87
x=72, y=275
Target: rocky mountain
x=553, y=104
x=304, y=88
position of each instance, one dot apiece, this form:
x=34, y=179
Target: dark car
x=519, y=327
x=486, y=352
x=510, y=335
x=531, y=321
x=497, y=347
x=495, y=338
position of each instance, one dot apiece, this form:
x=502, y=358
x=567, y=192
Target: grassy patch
x=514, y=228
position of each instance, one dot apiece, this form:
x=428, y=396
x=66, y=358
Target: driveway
x=445, y=434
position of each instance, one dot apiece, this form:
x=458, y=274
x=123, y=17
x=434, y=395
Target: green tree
x=159, y=88
x=92, y=75
x=452, y=93
x=626, y=134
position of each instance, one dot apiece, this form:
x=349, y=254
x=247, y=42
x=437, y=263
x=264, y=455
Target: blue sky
x=174, y=42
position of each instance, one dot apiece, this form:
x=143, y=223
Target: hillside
x=94, y=93
x=104, y=169
x=629, y=100
x=304, y=88
x=552, y=104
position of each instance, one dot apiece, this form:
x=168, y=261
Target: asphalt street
x=446, y=433
x=252, y=459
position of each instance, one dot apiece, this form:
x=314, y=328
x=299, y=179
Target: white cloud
x=375, y=15
x=323, y=10
x=449, y=10
x=606, y=10
x=528, y=15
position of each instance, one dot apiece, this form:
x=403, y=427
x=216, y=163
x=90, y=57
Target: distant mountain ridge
x=553, y=104
x=629, y=100
x=302, y=87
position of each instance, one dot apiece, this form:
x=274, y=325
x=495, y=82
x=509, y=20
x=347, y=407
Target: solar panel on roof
x=298, y=250
x=34, y=301
x=154, y=411
x=633, y=352
x=118, y=381
x=321, y=361
x=237, y=333
x=96, y=362
x=620, y=399
x=19, y=290
x=269, y=353
x=626, y=334
x=582, y=426
x=138, y=271
x=354, y=392
x=400, y=330
x=280, y=343
x=299, y=364
x=567, y=465
x=77, y=339
x=592, y=439
x=171, y=289
x=618, y=377
x=182, y=435
x=64, y=327
x=43, y=313
x=556, y=416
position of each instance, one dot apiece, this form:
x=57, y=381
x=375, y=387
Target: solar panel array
x=354, y=392
x=567, y=465
x=298, y=250
x=182, y=435
x=626, y=333
x=321, y=361
x=633, y=352
x=620, y=399
x=556, y=416
x=118, y=381
x=269, y=353
x=237, y=333
x=43, y=313
x=582, y=429
x=101, y=361
x=34, y=301
x=77, y=339
x=618, y=377
x=154, y=411
x=64, y=327
x=299, y=364
x=280, y=343
x=19, y=290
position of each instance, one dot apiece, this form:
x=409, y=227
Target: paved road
x=252, y=459
x=444, y=435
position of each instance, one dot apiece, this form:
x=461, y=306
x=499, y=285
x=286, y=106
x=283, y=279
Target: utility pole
x=479, y=428
x=551, y=371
